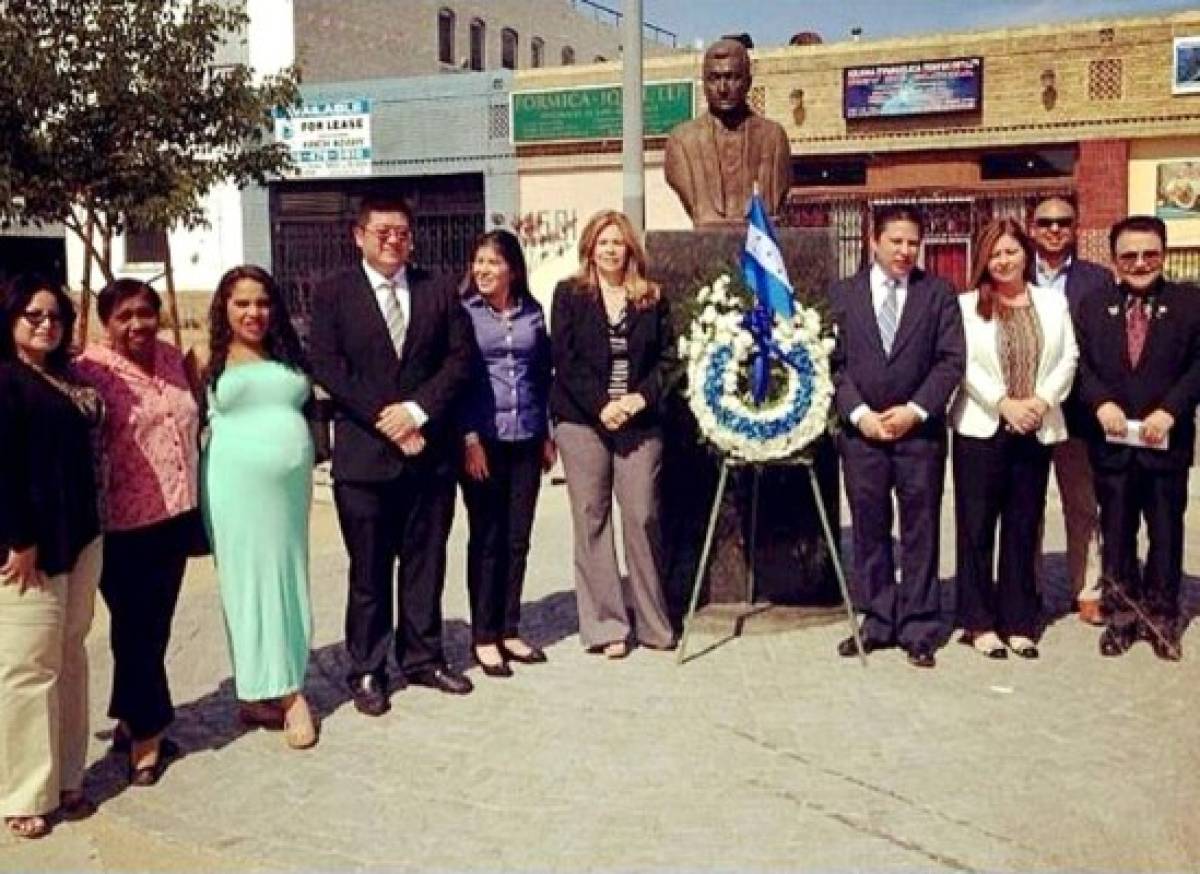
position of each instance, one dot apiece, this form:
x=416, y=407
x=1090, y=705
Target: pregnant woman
x=256, y=491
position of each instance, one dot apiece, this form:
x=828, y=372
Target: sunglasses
x=1130, y=259
x=35, y=318
x=385, y=233
x=1052, y=221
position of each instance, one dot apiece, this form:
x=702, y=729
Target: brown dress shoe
x=1091, y=612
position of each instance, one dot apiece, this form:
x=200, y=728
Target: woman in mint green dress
x=256, y=475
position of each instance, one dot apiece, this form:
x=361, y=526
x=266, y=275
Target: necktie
x=1137, y=324
x=889, y=316
x=393, y=314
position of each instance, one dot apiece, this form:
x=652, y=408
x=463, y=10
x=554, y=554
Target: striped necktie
x=393, y=314
x=889, y=316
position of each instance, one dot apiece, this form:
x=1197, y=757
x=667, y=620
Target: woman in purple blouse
x=506, y=446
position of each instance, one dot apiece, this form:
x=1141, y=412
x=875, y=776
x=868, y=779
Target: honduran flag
x=762, y=262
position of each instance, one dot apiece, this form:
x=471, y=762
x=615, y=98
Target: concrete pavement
x=769, y=752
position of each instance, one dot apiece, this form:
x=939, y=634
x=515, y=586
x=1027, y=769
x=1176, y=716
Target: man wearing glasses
x=1139, y=374
x=394, y=350
x=1053, y=232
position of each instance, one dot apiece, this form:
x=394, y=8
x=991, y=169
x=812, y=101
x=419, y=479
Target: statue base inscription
x=791, y=559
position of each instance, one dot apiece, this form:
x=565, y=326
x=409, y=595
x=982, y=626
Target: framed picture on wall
x=1186, y=66
x=1178, y=195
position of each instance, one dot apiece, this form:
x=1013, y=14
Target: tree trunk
x=85, y=291
x=172, y=300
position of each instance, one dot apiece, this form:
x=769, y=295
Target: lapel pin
x=1114, y=310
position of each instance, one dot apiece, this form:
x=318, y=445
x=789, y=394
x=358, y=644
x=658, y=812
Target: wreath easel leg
x=836, y=554
x=702, y=568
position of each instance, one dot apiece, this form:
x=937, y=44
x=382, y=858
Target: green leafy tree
x=113, y=116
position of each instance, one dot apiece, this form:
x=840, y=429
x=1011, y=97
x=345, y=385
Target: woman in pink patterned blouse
x=151, y=459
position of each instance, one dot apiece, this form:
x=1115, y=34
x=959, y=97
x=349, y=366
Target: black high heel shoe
x=148, y=775
x=535, y=656
x=498, y=670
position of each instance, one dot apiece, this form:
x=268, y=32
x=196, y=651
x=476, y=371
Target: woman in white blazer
x=1021, y=357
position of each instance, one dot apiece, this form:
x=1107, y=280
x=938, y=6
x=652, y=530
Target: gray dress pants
x=594, y=473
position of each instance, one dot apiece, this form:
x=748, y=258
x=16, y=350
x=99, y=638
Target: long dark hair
x=509, y=248
x=15, y=297
x=981, y=277
x=280, y=343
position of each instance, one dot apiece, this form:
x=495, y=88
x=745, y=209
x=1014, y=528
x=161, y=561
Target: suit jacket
x=583, y=362
x=928, y=355
x=1167, y=376
x=694, y=172
x=354, y=360
x=976, y=408
x=1084, y=278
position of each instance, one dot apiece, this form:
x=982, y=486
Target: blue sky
x=772, y=22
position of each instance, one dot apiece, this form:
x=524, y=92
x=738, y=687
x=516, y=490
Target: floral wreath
x=758, y=383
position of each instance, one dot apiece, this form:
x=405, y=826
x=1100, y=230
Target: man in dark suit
x=394, y=349
x=1052, y=229
x=900, y=355
x=1139, y=374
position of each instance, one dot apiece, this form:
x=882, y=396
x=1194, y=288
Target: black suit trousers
x=1126, y=497
x=398, y=525
x=500, y=515
x=910, y=613
x=1000, y=480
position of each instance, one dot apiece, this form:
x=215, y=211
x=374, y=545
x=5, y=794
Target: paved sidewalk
x=769, y=752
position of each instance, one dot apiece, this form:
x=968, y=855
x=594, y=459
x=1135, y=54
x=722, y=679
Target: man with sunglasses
x=1139, y=375
x=1052, y=229
x=394, y=349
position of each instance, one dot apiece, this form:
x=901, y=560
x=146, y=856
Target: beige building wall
x=1144, y=158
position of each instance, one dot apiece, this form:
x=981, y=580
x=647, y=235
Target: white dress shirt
x=382, y=286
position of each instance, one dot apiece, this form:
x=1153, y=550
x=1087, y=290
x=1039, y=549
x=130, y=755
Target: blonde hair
x=642, y=293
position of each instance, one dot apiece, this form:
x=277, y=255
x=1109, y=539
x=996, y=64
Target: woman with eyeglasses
x=256, y=492
x=1021, y=358
x=50, y=558
x=151, y=458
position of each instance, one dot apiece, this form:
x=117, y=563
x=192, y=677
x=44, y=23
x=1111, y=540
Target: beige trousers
x=1081, y=516
x=44, y=686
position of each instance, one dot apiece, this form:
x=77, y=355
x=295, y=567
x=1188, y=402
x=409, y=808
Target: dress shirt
x=382, y=286
x=150, y=450
x=1049, y=278
x=510, y=404
x=879, y=294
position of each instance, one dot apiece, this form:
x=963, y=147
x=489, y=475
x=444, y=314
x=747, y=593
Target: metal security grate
x=1105, y=79
x=757, y=98
x=498, y=122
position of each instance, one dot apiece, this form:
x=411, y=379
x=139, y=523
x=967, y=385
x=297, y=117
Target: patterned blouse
x=1020, y=341
x=151, y=453
x=618, y=347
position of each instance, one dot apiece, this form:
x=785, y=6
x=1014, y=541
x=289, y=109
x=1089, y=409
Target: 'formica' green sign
x=595, y=113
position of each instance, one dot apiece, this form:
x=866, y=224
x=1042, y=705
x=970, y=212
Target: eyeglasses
x=1051, y=221
x=383, y=234
x=36, y=317
x=1149, y=256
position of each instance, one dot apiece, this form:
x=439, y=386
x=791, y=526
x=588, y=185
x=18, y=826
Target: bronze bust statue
x=713, y=161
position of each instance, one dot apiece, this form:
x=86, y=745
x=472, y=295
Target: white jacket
x=975, y=410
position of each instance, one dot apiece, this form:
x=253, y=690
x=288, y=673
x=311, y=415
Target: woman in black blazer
x=610, y=336
x=50, y=558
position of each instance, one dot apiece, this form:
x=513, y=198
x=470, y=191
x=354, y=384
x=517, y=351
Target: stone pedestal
x=792, y=561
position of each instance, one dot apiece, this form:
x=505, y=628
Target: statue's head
x=727, y=78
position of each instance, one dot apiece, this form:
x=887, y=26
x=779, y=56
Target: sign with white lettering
x=328, y=139
x=916, y=88
x=565, y=114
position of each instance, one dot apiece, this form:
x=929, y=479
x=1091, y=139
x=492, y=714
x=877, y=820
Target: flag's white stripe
x=763, y=249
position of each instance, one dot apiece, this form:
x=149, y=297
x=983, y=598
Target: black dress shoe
x=441, y=678
x=1114, y=642
x=848, y=648
x=1167, y=647
x=370, y=696
x=922, y=657
x=535, y=656
x=148, y=775
x=1028, y=651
